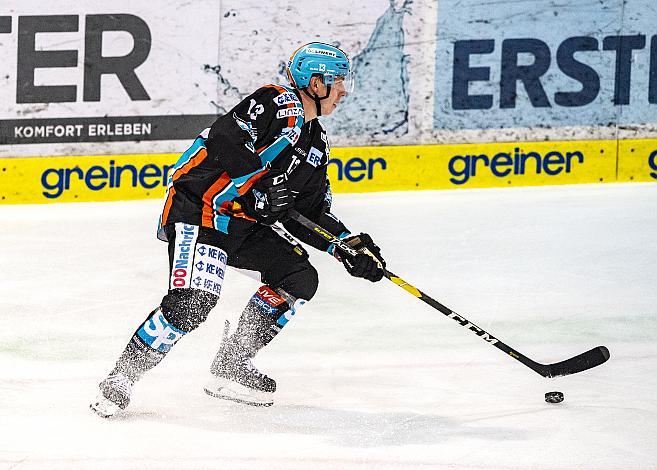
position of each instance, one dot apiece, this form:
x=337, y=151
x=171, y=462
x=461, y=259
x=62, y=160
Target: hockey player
x=226, y=200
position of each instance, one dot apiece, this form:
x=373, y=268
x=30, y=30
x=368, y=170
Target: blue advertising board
x=537, y=63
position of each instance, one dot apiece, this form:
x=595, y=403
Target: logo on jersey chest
x=285, y=98
x=289, y=112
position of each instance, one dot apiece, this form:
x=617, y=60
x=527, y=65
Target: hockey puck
x=554, y=397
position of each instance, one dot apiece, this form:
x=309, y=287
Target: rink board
x=356, y=169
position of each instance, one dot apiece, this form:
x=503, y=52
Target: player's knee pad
x=186, y=309
x=301, y=283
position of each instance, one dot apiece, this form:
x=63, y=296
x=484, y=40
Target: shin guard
x=267, y=312
x=148, y=346
x=265, y=315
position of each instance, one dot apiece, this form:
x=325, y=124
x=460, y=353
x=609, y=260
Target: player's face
x=337, y=93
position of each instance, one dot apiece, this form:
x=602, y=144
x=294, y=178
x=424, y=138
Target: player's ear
x=314, y=82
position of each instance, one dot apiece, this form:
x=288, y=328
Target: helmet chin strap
x=317, y=99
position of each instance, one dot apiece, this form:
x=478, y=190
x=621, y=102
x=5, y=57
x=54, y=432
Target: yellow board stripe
x=356, y=169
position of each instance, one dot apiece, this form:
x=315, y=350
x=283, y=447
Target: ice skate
x=114, y=395
x=237, y=379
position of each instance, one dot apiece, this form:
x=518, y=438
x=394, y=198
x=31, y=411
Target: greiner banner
x=358, y=169
x=106, y=71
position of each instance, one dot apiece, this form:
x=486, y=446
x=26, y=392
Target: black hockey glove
x=270, y=198
x=368, y=263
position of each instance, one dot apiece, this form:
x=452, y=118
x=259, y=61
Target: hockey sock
x=266, y=313
x=148, y=346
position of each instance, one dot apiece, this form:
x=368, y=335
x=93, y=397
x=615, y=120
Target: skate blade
x=229, y=390
x=104, y=407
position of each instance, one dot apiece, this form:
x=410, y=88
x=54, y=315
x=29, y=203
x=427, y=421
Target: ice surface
x=368, y=376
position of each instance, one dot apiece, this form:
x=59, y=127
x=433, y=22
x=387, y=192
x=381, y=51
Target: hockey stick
x=579, y=363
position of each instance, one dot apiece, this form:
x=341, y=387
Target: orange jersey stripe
x=167, y=205
x=278, y=88
x=192, y=163
x=250, y=182
x=216, y=188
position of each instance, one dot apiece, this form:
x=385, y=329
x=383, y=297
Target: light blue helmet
x=317, y=58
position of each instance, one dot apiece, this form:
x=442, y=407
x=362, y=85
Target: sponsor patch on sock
x=158, y=333
x=268, y=300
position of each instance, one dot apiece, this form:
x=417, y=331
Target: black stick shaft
x=591, y=358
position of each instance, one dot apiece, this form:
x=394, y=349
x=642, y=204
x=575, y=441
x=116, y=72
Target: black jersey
x=265, y=130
